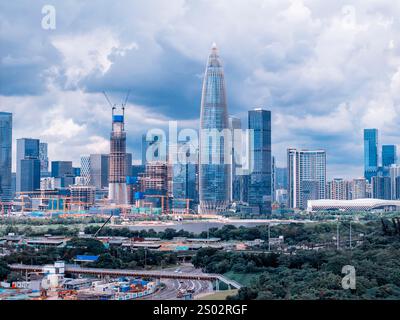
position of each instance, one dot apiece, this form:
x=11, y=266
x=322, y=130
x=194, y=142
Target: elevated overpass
x=71, y=269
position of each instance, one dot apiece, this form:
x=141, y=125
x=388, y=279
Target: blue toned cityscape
x=193, y=162
x=205, y=175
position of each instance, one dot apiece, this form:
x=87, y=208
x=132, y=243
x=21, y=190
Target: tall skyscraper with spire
x=214, y=167
x=117, y=192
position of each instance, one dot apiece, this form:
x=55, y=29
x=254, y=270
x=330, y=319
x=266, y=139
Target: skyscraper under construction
x=117, y=192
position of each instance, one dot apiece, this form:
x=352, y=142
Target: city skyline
x=317, y=98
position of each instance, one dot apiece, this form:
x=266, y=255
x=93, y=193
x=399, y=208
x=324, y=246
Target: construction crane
x=187, y=210
x=5, y=204
x=164, y=201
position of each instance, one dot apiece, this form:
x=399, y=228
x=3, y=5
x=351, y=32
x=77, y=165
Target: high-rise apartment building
x=370, y=153
x=394, y=173
x=260, y=178
x=359, y=188
x=214, y=167
x=306, y=176
x=338, y=189
x=44, y=159
x=5, y=156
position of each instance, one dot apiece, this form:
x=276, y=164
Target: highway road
x=184, y=273
x=172, y=286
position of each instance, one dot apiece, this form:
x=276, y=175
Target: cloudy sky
x=326, y=69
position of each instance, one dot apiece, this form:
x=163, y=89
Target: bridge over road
x=158, y=274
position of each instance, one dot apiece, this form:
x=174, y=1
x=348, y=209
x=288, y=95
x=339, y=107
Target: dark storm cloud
x=325, y=70
x=169, y=83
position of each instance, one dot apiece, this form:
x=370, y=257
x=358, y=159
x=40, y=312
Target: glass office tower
x=184, y=180
x=260, y=180
x=99, y=168
x=234, y=124
x=5, y=156
x=370, y=153
x=28, y=165
x=389, y=155
x=214, y=169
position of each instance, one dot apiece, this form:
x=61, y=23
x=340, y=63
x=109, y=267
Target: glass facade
x=30, y=172
x=389, y=155
x=184, y=186
x=370, y=153
x=381, y=188
x=28, y=149
x=234, y=124
x=99, y=167
x=5, y=156
x=260, y=180
x=281, y=178
x=64, y=171
x=214, y=176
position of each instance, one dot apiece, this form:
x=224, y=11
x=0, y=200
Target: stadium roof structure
x=351, y=205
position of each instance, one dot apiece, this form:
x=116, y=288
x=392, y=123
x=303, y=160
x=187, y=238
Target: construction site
x=107, y=187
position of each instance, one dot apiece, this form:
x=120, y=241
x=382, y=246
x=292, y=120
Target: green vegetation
x=294, y=233
x=119, y=258
x=221, y=295
x=242, y=278
x=314, y=274
x=294, y=273
x=4, y=269
x=113, y=258
x=54, y=226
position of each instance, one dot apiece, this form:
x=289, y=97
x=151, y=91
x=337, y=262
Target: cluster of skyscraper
x=382, y=176
x=211, y=183
x=201, y=185
x=307, y=176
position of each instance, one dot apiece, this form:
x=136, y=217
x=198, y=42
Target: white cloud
x=325, y=69
x=89, y=53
